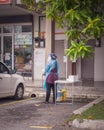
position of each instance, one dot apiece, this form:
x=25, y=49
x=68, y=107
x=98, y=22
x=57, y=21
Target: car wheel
x=19, y=92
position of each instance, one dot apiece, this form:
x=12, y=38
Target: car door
x=5, y=81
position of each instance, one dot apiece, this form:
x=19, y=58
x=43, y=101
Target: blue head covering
x=53, y=56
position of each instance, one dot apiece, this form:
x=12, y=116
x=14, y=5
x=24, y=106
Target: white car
x=11, y=84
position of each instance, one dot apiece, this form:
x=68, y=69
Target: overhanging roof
x=14, y=9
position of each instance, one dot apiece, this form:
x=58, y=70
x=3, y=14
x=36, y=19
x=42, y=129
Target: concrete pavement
x=83, y=91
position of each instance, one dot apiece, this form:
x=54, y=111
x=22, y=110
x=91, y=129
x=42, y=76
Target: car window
x=3, y=69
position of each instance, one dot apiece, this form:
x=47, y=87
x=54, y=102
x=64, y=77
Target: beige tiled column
x=33, y=48
x=50, y=37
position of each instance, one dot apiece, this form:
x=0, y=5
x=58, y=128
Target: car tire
x=19, y=92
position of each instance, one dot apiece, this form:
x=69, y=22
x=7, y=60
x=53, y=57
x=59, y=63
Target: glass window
x=23, y=56
x=8, y=50
x=3, y=69
x=7, y=44
x=7, y=29
x=26, y=28
x=23, y=28
x=18, y=29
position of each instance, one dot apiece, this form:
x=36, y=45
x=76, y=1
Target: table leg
x=72, y=92
x=55, y=87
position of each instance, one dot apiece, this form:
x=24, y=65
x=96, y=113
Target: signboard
x=23, y=39
x=39, y=57
x=5, y=2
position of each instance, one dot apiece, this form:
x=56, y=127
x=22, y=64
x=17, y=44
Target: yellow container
x=64, y=94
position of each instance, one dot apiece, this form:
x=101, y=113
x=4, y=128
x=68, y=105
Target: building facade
x=26, y=39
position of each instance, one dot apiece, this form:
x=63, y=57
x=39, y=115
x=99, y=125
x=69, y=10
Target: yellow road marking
x=11, y=103
x=42, y=127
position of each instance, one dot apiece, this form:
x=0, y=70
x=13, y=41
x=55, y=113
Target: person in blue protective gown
x=52, y=74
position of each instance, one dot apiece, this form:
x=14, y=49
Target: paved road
x=33, y=114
